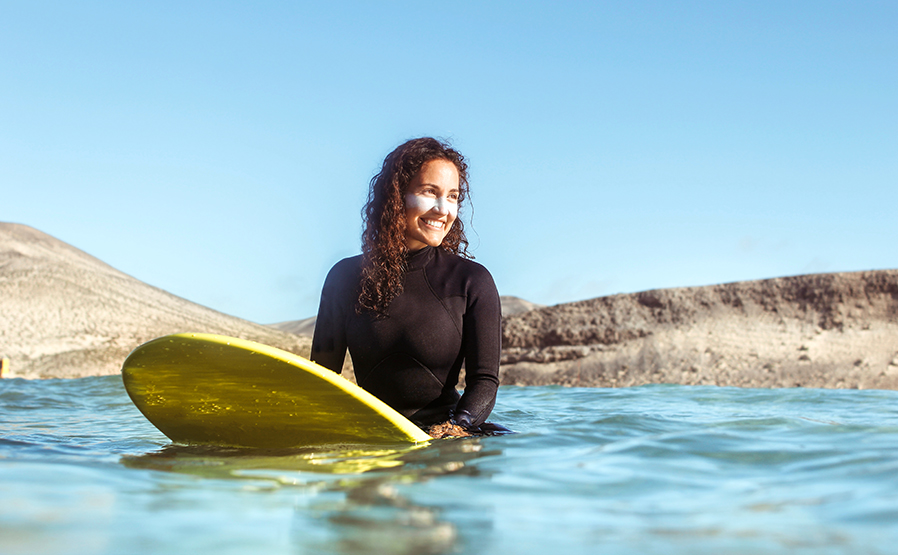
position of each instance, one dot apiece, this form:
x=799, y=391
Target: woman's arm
x=482, y=332
x=329, y=339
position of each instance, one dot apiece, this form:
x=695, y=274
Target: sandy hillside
x=826, y=330
x=304, y=327
x=67, y=314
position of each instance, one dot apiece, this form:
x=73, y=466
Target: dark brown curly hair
x=384, y=249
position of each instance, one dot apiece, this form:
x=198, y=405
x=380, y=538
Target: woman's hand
x=447, y=429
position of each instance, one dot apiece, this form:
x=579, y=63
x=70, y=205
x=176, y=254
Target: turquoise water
x=656, y=469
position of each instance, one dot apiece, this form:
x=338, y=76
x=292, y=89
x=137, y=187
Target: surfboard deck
x=205, y=389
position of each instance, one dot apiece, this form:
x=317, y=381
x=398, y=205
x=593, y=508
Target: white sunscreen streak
x=426, y=204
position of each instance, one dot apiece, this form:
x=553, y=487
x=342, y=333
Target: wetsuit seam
x=398, y=353
x=442, y=303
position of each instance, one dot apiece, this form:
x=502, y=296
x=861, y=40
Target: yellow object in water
x=216, y=390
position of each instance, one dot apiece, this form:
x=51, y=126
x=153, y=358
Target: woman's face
x=431, y=204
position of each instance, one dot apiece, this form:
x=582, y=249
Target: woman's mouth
x=435, y=224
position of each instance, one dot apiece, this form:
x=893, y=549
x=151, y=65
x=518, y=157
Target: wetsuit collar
x=419, y=258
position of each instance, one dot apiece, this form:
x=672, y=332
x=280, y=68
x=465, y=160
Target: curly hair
x=384, y=248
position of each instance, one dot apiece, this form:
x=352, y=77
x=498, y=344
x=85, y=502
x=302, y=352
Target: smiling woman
x=413, y=308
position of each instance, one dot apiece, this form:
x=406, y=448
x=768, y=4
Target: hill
x=825, y=330
x=66, y=314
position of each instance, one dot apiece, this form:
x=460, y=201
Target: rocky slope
x=305, y=326
x=826, y=330
x=66, y=314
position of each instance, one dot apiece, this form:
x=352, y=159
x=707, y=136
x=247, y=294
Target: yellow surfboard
x=216, y=390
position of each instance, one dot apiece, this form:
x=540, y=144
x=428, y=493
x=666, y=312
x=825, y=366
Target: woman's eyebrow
x=435, y=186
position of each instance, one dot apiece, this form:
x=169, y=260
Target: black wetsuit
x=447, y=314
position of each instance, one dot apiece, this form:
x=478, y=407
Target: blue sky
x=222, y=150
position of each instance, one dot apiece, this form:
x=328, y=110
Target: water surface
x=657, y=469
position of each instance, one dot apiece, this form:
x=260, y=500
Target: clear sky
x=222, y=150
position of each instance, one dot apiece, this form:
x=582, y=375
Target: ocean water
x=657, y=469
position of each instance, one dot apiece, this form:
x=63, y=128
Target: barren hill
x=66, y=314
x=824, y=330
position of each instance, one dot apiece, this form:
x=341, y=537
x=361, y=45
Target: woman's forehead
x=438, y=172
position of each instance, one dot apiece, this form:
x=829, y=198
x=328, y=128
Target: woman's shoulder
x=349, y=263
x=463, y=267
x=346, y=270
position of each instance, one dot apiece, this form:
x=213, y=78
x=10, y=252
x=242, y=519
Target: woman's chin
x=421, y=241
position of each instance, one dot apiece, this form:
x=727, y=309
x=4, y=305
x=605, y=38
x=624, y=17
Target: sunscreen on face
x=425, y=204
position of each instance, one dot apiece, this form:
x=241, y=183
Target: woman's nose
x=441, y=206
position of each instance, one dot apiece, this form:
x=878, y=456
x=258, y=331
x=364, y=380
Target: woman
x=413, y=307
